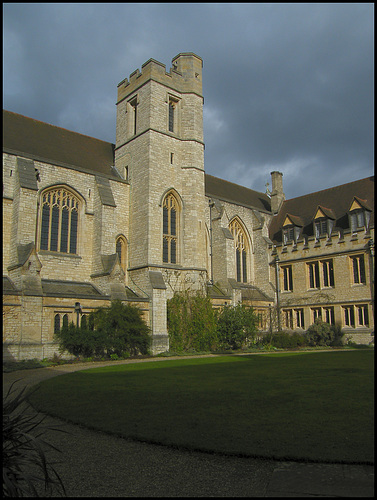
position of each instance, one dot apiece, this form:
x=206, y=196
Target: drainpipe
x=211, y=205
x=277, y=291
x=371, y=249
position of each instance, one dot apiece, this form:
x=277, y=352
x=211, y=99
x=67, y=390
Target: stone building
x=86, y=222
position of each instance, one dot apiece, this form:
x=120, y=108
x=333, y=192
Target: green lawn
x=314, y=406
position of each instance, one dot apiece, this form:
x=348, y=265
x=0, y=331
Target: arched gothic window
x=121, y=250
x=57, y=323
x=59, y=221
x=241, y=249
x=170, y=229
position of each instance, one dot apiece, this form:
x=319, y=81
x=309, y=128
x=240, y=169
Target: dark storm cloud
x=287, y=87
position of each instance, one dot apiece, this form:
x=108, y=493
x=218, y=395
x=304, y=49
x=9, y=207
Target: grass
x=297, y=406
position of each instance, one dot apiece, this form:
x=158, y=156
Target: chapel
x=86, y=222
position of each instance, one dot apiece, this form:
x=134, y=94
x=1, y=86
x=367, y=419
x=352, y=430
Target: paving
x=95, y=464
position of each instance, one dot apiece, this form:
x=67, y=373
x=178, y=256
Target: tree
x=191, y=322
x=118, y=329
x=324, y=334
x=236, y=325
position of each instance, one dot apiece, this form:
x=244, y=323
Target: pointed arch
x=121, y=249
x=171, y=212
x=242, y=249
x=60, y=206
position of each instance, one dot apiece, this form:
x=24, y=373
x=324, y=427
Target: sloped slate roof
x=41, y=141
x=228, y=191
x=337, y=199
x=26, y=174
x=58, y=288
x=9, y=287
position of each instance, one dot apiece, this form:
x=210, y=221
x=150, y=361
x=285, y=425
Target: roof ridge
x=235, y=184
x=57, y=127
x=328, y=189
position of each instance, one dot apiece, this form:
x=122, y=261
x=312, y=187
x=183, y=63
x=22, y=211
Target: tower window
x=59, y=221
x=173, y=115
x=170, y=230
x=134, y=105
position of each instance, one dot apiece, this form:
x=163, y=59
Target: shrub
x=116, y=330
x=191, y=323
x=285, y=340
x=25, y=467
x=236, y=326
x=324, y=334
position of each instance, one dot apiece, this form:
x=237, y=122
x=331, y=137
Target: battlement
x=185, y=75
x=310, y=247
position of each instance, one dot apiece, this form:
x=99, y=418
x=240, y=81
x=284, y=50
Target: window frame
x=173, y=114
x=55, y=232
x=328, y=275
x=300, y=318
x=358, y=269
x=123, y=254
x=349, y=316
x=287, y=277
x=362, y=315
x=313, y=275
x=170, y=239
x=134, y=119
x=241, y=250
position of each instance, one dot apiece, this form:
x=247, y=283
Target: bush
x=236, y=326
x=25, y=467
x=116, y=330
x=324, y=334
x=285, y=340
x=191, y=323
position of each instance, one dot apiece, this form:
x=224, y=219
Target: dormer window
x=291, y=229
x=323, y=222
x=321, y=227
x=288, y=234
x=359, y=215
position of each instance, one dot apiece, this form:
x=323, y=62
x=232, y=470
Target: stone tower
x=160, y=150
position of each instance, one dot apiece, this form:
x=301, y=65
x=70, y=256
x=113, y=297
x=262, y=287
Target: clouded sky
x=286, y=87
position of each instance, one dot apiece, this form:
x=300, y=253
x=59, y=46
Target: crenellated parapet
x=340, y=240
x=185, y=75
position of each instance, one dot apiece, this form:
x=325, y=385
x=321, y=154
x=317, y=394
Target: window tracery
x=170, y=229
x=59, y=221
x=241, y=250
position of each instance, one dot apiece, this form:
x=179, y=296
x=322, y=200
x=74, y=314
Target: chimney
x=277, y=195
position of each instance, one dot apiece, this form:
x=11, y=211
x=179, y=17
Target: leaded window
x=59, y=221
x=328, y=273
x=121, y=250
x=57, y=323
x=321, y=227
x=171, y=116
x=287, y=278
x=358, y=268
x=313, y=270
x=241, y=250
x=170, y=230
